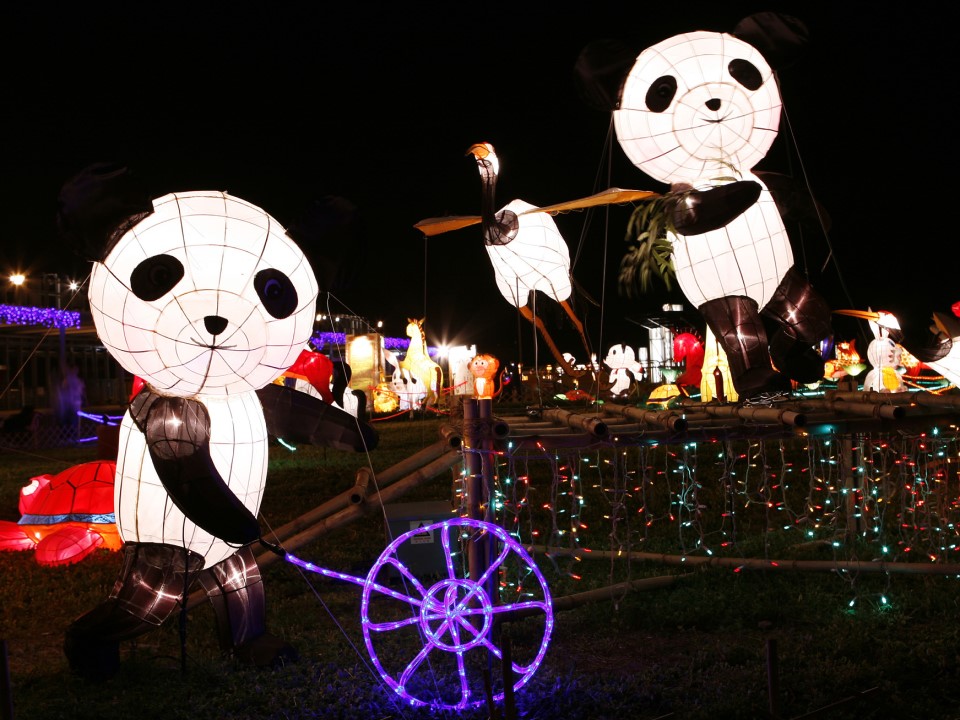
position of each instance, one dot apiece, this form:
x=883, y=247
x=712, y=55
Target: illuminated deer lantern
x=418, y=364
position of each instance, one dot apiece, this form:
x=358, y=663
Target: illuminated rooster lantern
x=698, y=111
x=312, y=373
x=206, y=299
x=688, y=348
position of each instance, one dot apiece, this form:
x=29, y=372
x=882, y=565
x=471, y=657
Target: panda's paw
x=265, y=650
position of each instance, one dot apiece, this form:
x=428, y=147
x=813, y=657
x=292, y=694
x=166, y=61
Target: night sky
x=370, y=110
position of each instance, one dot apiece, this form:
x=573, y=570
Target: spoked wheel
x=441, y=641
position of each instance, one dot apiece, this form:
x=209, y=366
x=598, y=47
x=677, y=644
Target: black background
x=282, y=104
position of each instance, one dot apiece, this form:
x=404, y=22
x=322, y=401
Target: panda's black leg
x=148, y=589
x=802, y=320
x=235, y=589
x=736, y=322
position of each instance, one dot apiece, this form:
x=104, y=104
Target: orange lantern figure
x=484, y=369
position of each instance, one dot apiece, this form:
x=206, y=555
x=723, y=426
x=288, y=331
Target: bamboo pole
x=350, y=513
x=378, y=500
x=668, y=419
x=762, y=563
x=361, y=486
x=924, y=399
x=938, y=401
x=784, y=416
x=451, y=434
x=862, y=409
x=608, y=592
x=568, y=602
x=358, y=492
x=593, y=425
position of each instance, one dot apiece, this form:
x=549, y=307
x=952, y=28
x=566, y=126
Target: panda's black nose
x=713, y=104
x=215, y=324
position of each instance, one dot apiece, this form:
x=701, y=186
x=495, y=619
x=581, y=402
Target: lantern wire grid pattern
x=713, y=132
x=205, y=297
x=164, y=338
x=439, y=637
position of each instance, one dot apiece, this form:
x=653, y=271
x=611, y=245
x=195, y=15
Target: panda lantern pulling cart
x=206, y=299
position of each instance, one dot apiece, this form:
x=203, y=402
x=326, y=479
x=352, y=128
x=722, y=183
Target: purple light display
x=439, y=637
x=39, y=316
x=322, y=339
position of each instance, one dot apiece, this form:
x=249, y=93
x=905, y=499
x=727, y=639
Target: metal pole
x=6, y=695
x=773, y=679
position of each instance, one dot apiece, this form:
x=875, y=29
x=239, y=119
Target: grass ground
x=713, y=644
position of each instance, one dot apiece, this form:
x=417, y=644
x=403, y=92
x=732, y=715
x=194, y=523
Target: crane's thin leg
x=538, y=323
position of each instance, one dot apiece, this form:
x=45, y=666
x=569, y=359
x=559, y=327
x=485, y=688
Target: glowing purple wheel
x=437, y=643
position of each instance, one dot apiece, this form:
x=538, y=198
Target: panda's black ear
x=600, y=71
x=781, y=39
x=97, y=205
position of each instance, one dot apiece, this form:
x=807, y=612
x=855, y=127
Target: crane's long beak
x=883, y=319
x=862, y=314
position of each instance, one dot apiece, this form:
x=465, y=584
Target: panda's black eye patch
x=745, y=73
x=278, y=294
x=155, y=277
x=660, y=93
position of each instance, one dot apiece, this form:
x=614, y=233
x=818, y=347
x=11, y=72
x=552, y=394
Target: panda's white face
x=698, y=106
x=205, y=296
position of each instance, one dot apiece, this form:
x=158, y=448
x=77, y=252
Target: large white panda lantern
x=207, y=300
x=698, y=111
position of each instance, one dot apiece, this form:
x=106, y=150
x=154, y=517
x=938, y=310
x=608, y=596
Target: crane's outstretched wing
x=436, y=226
x=610, y=196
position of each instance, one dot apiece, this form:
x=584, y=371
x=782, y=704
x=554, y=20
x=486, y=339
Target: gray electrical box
x=422, y=553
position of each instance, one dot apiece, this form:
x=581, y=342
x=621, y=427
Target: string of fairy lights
x=877, y=497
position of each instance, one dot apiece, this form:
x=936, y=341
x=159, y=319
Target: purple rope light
x=39, y=316
x=454, y=615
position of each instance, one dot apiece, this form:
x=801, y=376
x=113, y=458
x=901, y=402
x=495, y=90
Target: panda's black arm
x=177, y=432
x=700, y=211
x=302, y=418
